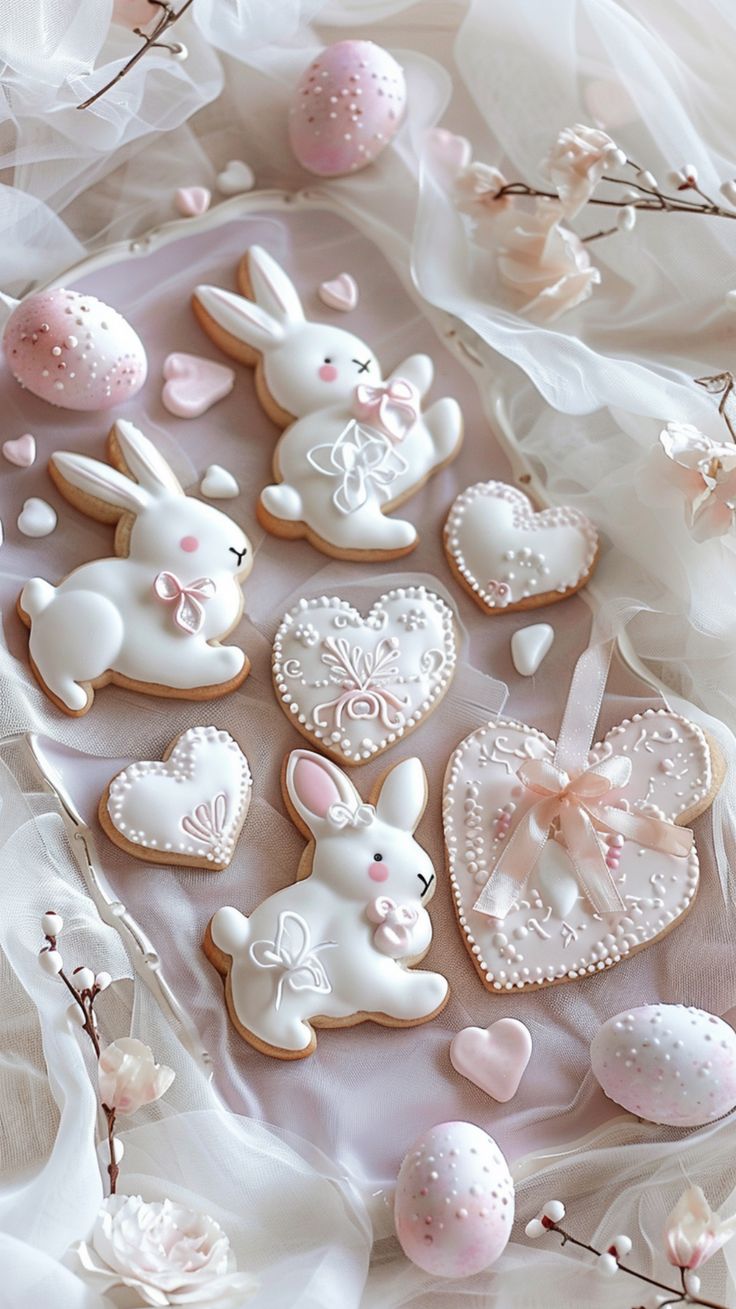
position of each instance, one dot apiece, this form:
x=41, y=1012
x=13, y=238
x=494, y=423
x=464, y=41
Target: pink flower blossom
x=129, y=1077
x=478, y=185
x=547, y=264
x=705, y=472
x=693, y=1233
x=576, y=163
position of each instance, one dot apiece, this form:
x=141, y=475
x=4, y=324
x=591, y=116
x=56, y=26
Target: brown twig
x=679, y=1296
x=720, y=384
x=168, y=17
x=670, y=203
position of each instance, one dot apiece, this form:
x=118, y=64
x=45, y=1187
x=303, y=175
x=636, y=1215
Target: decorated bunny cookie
x=153, y=617
x=355, y=446
x=337, y=947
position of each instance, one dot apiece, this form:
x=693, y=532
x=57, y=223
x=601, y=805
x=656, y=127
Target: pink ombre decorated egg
x=454, y=1202
x=346, y=108
x=73, y=350
x=668, y=1063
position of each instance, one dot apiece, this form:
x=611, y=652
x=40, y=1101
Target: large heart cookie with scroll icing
x=187, y=808
x=509, y=557
x=356, y=685
x=551, y=933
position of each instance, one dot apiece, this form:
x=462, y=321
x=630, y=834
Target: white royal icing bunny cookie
x=187, y=808
x=152, y=617
x=357, y=685
x=340, y=945
x=355, y=445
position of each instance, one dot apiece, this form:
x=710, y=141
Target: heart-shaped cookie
x=509, y=557
x=340, y=293
x=187, y=808
x=552, y=933
x=494, y=1058
x=194, y=385
x=356, y=685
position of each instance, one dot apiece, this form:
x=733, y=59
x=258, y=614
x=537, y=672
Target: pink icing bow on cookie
x=395, y=925
x=189, y=613
x=393, y=408
x=576, y=804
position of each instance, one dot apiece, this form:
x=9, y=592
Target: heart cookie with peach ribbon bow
x=558, y=876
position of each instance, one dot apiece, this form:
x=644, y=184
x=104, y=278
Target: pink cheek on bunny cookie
x=189, y=544
x=378, y=872
x=327, y=372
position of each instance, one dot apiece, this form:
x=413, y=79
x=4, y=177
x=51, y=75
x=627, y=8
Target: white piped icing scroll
x=341, y=944
x=510, y=557
x=357, y=685
x=551, y=933
x=187, y=808
x=359, y=444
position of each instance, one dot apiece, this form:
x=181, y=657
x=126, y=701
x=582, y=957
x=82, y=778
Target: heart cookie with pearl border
x=509, y=557
x=187, y=808
x=648, y=778
x=356, y=685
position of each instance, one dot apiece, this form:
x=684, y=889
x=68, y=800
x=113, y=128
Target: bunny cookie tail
x=229, y=932
x=36, y=596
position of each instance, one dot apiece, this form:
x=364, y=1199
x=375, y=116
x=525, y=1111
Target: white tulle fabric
x=585, y=400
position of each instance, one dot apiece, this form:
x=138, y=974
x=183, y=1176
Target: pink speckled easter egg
x=74, y=351
x=668, y=1063
x=454, y=1203
x=346, y=108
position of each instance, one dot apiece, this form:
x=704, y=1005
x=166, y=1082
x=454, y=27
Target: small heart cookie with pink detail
x=508, y=557
x=495, y=1058
x=193, y=384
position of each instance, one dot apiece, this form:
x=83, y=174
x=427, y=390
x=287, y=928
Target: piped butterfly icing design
x=356, y=684
x=187, y=808
x=601, y=868
x=356, y=445
x=328, y=951
x=137, y=619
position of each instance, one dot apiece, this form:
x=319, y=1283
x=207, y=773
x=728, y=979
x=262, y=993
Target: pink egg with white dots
x=74, y=351
x=346, y=108
x=454, y=1203
x=668, y=1063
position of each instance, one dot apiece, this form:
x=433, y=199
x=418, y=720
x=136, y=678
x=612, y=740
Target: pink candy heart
x=341, y=293
x=494, y=1058
x=451, y=151
x=194, y=385
x=191, y=201
x=21, y=451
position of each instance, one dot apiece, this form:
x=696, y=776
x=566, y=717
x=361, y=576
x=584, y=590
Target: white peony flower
x=129, y=1077
x=693, y=1233
x=705, y=471
x=167, y=1254
x=547, y=264
x=576, y=163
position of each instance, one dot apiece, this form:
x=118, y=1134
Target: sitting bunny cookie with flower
x=355, y=446
x=151, y=618
x=340, y=945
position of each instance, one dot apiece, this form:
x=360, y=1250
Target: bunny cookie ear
x=102, y=485
x=141, y=458
x=403, y=795
x=240, y=318
x=315, y=786
x=273, y=290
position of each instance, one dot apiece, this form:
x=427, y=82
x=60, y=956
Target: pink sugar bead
x=346, y=108
x=74, y=351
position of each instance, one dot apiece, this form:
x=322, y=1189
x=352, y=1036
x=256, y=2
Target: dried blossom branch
x=720, y=384
x=167, y=19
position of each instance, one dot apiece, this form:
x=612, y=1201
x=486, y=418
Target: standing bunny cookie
x=355, y=446
x=151, y=618
x=339, y=946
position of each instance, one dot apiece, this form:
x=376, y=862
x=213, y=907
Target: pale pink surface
x=454, y=1203
x=193, y=384
x=346, y=107
x=74, y=351
x=668, y=1064
x=494, y=1059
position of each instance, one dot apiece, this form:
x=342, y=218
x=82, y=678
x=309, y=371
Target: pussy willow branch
x=168, y=17
x=680, y=1295
x=720, y=384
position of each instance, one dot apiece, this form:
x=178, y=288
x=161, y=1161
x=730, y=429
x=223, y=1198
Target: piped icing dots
x=74, y=351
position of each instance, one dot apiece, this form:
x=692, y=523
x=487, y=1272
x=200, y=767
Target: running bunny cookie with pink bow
x=339, y=946
x=355, y=446
x=153, y=616
x=566, y=858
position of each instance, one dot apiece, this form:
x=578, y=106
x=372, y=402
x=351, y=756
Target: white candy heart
x=493, y=1059
x=191, y=201
x=551, y=932
x=508, y=555
x=235, y=178
x=37, y=518
x=529, y=646
x=185, y=809
x=340, y=293
x=355, y=685
x=21, y=451
x=219, y=484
